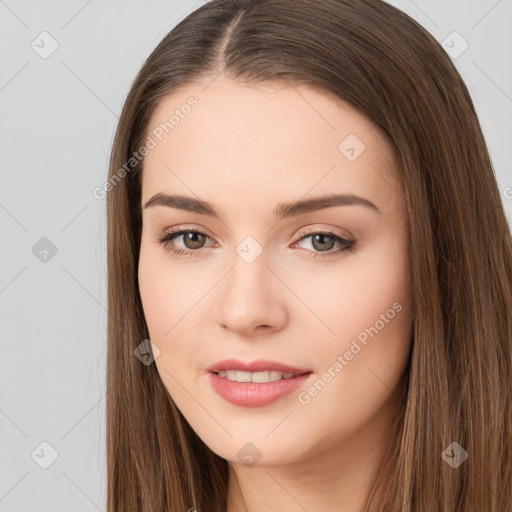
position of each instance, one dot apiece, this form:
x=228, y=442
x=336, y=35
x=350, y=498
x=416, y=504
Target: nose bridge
x=250, y=275
x=250, y=295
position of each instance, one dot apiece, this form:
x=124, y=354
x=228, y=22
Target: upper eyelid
x=181, y=230
x=305, y=232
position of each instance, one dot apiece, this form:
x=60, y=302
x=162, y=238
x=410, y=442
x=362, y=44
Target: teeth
x=258, y=377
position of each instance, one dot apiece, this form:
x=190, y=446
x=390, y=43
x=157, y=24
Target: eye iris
x=191, y=237
x=322, y=237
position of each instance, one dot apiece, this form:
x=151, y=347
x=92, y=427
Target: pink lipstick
x=257, y=383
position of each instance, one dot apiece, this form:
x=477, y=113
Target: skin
x=245, y=149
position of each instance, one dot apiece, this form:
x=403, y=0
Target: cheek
x=164, y=290
x=361, y=366
x=369, y=310
x=170, y=302
x=367, y=286
x=159, y=295
x=163, y=305
x=154, y=300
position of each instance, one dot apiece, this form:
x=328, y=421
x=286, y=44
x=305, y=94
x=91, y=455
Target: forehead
x=275, y=140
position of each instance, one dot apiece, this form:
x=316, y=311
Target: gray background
x=58, y=116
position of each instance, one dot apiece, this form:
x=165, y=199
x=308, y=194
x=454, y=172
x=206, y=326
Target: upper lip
x=255, y=366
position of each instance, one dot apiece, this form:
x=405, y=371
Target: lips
x=255, y=366
x=248, y=394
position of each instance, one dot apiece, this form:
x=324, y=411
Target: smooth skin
x=245, y=149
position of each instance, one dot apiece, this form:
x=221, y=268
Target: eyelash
x=167, y=237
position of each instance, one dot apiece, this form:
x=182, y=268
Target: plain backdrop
x=66, y=68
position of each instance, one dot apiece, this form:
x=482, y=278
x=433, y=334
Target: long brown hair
x=459, y=376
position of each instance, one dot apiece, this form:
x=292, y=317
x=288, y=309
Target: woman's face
x=263, y=280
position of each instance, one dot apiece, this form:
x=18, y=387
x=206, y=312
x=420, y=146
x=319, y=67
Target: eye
x=194, y=241
x=318, y=241
x=191, y=237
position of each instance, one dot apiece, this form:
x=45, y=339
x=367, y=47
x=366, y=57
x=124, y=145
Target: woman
x=373, y=373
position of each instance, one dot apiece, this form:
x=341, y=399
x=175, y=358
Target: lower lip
x=251, y=394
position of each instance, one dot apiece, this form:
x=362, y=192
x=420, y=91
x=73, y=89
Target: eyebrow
x=282, y=210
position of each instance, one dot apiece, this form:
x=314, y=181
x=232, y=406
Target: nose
x=252, y=298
